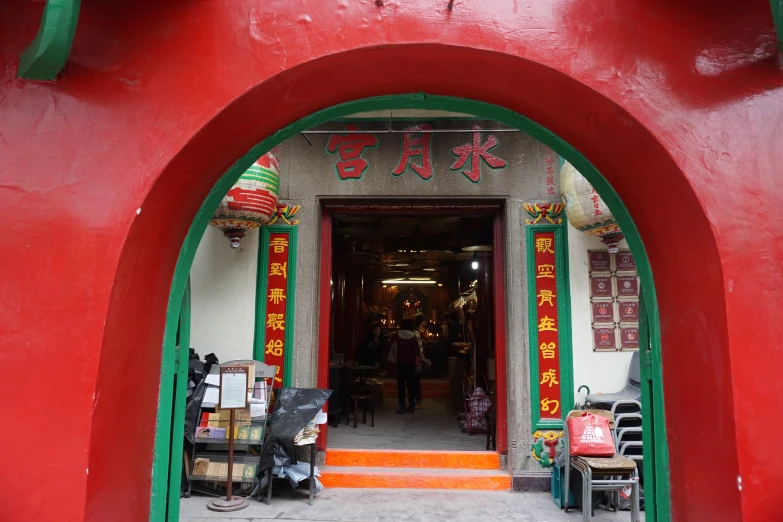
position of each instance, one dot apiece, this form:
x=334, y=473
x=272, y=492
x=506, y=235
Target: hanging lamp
x=251, y=202
x=585, y=209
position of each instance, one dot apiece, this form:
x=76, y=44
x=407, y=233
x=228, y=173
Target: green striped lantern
x=251, y=202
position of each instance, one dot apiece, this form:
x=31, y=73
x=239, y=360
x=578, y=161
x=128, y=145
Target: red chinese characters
x=258, y=200
x=548, y=324
x=549, y=162
x=596, y=207
x=276, y=300
x=416, y=144
x=350, y=148
x=475, y=151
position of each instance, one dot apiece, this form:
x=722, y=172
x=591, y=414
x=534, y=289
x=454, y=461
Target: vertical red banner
x=276, y=301
x=547, y=326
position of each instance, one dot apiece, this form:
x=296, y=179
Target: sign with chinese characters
x=604, y=339
x=627, y=286
x=614, y=283
x=625, y=262
x=547, y=325
x=601, y=287
x=603, y=312
x=599, y=261
x=629, y=311
x=467, y=150
x=275, y=309
x=233, y=388
x=629, y=337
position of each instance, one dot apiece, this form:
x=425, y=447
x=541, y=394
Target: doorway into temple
x=423, y=272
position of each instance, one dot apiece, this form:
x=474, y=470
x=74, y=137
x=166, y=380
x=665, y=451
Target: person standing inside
x=404, y=351
x=370, y=350
x=420, y=329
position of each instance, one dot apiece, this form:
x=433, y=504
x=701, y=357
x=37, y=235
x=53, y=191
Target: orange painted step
x=464, y=460
x=349, y=477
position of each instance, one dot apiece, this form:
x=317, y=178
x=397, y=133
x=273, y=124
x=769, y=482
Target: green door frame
x=424, y=101
x=182, y=358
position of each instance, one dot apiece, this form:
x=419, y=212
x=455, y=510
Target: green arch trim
x=410, y=101
x=777, y=18
x=47, y=54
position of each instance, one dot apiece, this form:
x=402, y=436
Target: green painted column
x=777, y=18
x=273, y=342
x=549, y=326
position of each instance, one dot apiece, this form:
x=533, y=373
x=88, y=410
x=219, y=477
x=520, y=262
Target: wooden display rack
x=210, y=458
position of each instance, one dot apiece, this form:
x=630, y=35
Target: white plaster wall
x=223, y=290
x=602, y=371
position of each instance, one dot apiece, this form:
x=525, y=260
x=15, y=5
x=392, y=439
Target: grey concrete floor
x=404, y=505
x=434, y=427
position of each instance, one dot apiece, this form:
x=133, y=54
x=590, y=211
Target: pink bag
x=589, y=436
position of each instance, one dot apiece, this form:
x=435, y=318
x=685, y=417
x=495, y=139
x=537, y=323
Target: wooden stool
x=356, y=397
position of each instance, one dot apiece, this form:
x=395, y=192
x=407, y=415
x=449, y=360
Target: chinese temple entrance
x=434, y=267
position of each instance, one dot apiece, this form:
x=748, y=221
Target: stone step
x=465, y=460
x=415, y=478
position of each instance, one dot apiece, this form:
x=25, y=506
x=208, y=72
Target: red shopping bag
x=589, y=436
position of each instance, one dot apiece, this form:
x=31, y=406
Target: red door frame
x=484, y=207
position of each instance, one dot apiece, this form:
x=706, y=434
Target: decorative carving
x=285, y=212
x=545, y=446
x=550, y=212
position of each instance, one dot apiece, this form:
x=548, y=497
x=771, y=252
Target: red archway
x=248, y=120
x=675, y=129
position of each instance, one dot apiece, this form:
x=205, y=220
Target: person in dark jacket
x=370, y=350
x=406, y=346
x=420, y=329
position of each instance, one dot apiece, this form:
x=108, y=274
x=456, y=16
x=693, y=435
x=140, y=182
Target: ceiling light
x=474, y=263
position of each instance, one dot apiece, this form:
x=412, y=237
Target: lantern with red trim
x=251, y=202
x=585, y=209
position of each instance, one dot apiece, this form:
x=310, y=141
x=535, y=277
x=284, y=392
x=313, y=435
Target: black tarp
x=197, y=370
x=294, y=408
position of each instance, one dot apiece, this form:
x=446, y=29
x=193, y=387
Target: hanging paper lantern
x=251, y=202
x=585, y=209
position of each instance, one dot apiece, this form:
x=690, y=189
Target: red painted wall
x=677, y=105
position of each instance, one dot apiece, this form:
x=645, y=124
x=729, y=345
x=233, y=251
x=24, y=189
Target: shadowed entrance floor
x=402, y=505
x=434, y=427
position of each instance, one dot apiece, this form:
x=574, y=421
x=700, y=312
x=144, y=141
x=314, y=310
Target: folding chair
x=600, y=473
x=626, y=406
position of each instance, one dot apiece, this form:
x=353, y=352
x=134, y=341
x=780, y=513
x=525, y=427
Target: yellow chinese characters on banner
x=547, y=323
x=276, y=301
